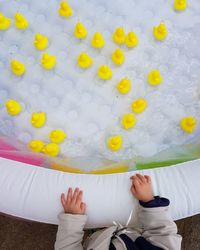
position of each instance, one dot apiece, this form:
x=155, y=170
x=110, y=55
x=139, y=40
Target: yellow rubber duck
x=84, y=60
x=115, y=142
x=124, y=86
x=128, y=121
x=20, y=21
x=80, y=31
x=97, y=40
x=41, y=42
x=65, y=10
x=188, y=124
x=154, y=77
x=38, y=119
x=118, y=56
x=119, y=36
x=17, y=67
x=51, y=149
x=139, y=105
x=36, y=145
x=160, y=32
x=105, y=72
x=13, y=107
x=131, y=40
x=57, y=136
x=180, y=5
x=4, y=22
x=48, y=61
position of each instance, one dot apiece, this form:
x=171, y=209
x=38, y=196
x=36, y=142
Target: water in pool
x=46, y=68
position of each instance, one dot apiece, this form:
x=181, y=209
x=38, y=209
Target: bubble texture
x=87, y=109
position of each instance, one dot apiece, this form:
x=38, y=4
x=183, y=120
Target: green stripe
x=160, y=164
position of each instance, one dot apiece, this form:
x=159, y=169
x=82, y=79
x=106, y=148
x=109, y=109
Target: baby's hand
x=73, y=203
x=141, y=187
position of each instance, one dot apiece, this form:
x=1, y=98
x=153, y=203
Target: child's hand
x=141, y=187
x=73, y=203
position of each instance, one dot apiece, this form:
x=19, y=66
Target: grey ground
x=22, y=235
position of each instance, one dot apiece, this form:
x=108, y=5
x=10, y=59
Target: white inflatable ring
x=34, y=193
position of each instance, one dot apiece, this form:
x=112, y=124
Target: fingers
x=137, y=183
x=148, y=178
x=134, y=177
x=69, y=195
x=63, y=201
x=72, y=202
x=141, y=178
x=79, y=197
x=75, y=194
x=83, y=207
x=74, y=197
x=133, y=190
x=135, y=180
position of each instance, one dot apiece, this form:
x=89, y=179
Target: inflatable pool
x=33, y=193
x=92, y=91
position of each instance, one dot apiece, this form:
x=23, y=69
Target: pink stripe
x=4, y=145
x=28, y=158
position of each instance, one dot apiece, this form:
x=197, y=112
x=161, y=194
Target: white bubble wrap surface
x=89, y=110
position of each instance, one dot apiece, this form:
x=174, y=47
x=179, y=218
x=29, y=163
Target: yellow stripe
x=65, y=168
x=118, y=168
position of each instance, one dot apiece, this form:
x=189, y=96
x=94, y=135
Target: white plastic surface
x=87, y=109
x=34, y=193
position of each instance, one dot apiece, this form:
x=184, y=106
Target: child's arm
x=71, y=223
x=157, y=224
